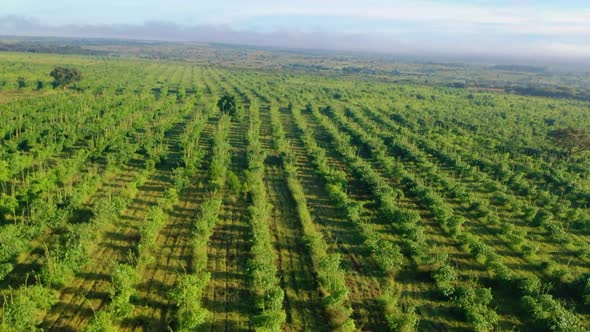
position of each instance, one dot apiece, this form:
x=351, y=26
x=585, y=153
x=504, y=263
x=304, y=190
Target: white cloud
x=523, y=17
x=511, y=27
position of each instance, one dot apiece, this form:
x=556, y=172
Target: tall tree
x=64, y=76
x=573, y=140
x=228, y=104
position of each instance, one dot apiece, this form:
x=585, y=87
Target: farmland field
x=131, y=201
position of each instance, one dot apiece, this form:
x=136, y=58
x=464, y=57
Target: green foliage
x=163, y=91
x=22, y=307
x=181, y=94
x=202, y=231
x=124, y=278
x=455, y=224
x=228, y=104
x=21, y=82
x=398, y=316
x=233, y=183
x=573, y=140
x=327, y=265
x=65, y=76
x=445, y=277
x=187, y=294
x=208, y=217
x=192, y=152
x=169, y=199
x=550, y=314
x=66, y=259
x=582, y=286
x=269, y=296
x=149, y=230
x=106, y=209
x=181, y=179
x=530, y=285
x=102, y=321
x=12, y=242
x=475, y=303
x=8, y=204
x=387, y=254
x=477, y=163
x=221, y=151
x=405, y=321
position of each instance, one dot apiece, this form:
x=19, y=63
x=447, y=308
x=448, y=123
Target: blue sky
x=519, y=27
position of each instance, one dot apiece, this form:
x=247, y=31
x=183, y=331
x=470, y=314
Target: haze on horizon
x=521, y=28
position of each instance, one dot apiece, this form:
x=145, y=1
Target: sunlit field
x=163, y=195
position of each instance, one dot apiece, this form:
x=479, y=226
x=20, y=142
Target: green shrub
x=124, y=278
x=22, y=309
x=582, y=286
x=12, y=243
x=530, y=285
x=475, y=303
x=102, y=321
x=187, y=294
x=550, y=314
x=386, y=253
x=405, y=321
x=529, y=249
x=233, y=183
x=149, y=230
x=445, y=277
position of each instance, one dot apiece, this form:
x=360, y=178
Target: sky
x=529, y=28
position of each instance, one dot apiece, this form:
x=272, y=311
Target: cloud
x=515, y=17
x=476, y=43
x=567, y=16
x=165, y=31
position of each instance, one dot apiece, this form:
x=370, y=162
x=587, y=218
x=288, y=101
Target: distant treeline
x=520, y=68
x=48, y=48
x=554, y=92
x=511, y=87
x=529, y=90
x=306, y=67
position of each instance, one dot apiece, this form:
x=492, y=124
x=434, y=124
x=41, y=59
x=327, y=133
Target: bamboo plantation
x=156, y=195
